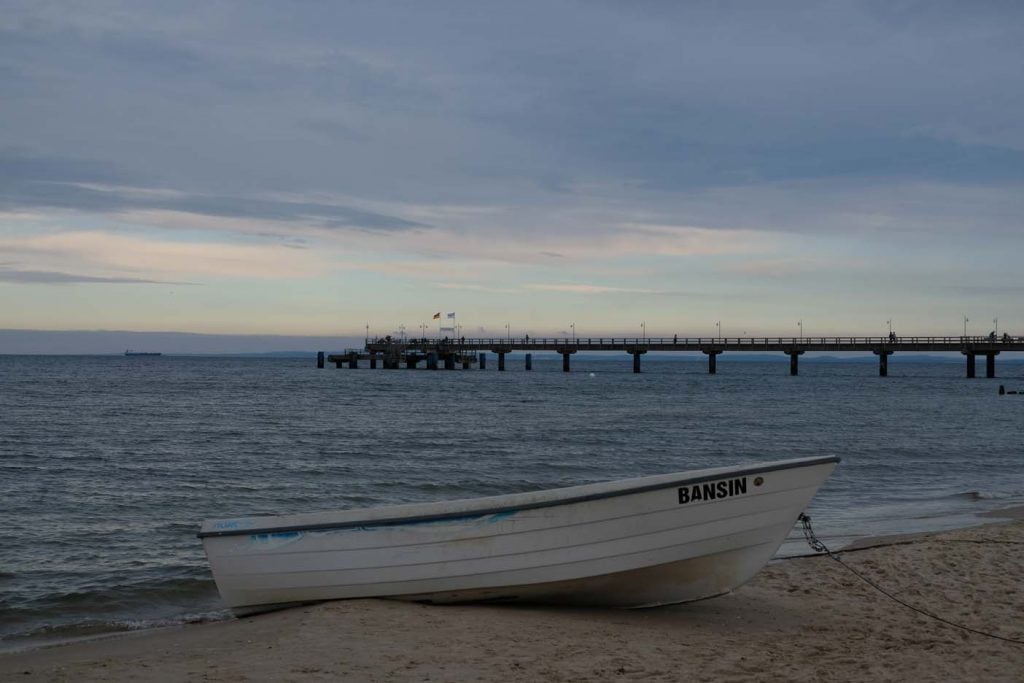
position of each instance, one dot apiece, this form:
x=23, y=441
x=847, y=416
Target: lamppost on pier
x=965, y=325
x=401, y=331
x=800, y=324
x=573, y=326
x=719, y=326
x=367, y=340
x=995, y=321
x=423, y=330
x=643, y=329
x=889, y=323
x=508, y=333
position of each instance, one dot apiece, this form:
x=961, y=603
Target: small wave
x=990, y=495
x=106, y=609
x=108, y=602
x=51, y=633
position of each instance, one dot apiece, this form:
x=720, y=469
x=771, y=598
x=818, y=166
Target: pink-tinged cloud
x=104, y=254
x=588, y=289
x=654, y=239
x=783, y=268
x=470, y=287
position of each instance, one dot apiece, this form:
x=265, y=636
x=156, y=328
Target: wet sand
x=805, y=619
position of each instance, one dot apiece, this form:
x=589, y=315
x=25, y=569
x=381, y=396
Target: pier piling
x=636, y=359
x=990, y=364
x=432, y=360
x=712, y=360
x=320, y=359
x=565, y=360
x=483, y=361
x=970, y=364
x=794, y=363
x=883, y=362
x=529, y=361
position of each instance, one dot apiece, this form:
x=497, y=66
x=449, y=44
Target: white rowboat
x=631, y=543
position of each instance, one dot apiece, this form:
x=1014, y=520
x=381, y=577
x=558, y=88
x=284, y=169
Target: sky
x=692, y=168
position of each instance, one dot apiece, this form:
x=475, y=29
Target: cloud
x=589, y=289
x=772, y=268
x=122, y=257
x=470, y=287
x=714, y=148
x=986, y=290
x=521, y=140
x=57, y=278
x=33, y=183
x=519, y=105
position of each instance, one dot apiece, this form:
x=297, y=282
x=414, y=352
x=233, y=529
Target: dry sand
x=806, y=619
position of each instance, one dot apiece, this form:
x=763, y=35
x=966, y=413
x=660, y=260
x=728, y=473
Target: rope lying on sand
x=820, y=547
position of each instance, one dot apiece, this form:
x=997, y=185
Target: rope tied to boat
x=818, y=546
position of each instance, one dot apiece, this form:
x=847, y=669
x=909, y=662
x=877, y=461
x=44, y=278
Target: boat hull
x=636, y=543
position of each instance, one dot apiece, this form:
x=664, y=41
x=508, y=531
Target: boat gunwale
x=502, y=509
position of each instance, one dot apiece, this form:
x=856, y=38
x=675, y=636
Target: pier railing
x=452, y=351
x=526, y=343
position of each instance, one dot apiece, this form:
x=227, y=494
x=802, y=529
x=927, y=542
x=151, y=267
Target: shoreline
x=803, y=618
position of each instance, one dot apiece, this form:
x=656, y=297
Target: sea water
x=109, y=464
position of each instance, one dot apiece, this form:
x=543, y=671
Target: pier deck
x=396, y=353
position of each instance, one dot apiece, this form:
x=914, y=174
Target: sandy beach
x=802, y=619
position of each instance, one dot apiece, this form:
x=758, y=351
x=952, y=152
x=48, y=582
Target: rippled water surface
x=108, y=464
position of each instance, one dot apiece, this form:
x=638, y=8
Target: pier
x=463, y=352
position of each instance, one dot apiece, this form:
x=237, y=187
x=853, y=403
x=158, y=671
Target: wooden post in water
x=320, y=359
x=529, y=361
x=483, y=361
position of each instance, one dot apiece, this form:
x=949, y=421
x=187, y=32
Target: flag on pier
x=451, y=316
x=437, y=315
